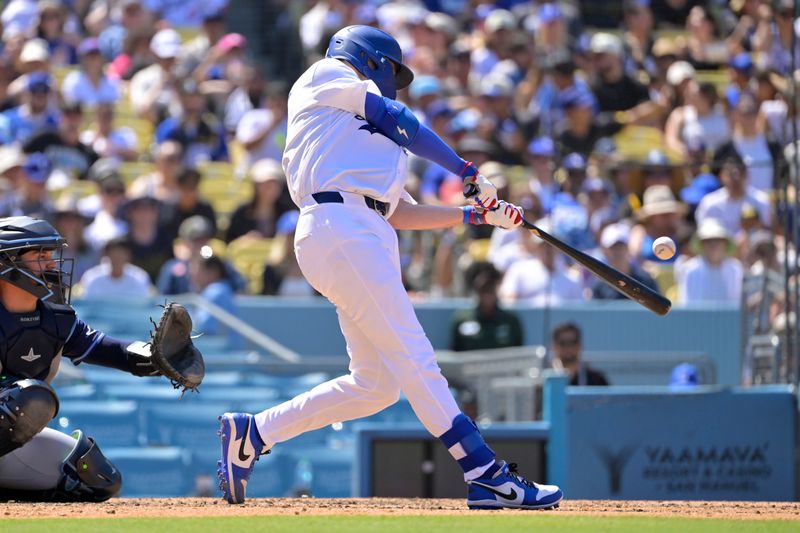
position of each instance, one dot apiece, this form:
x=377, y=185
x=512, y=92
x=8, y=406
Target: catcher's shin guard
x=26, y=407
x=87, y=476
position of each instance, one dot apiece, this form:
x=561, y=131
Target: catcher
x=37, y=329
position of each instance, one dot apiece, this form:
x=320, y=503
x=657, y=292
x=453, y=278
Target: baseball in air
x=664, y=248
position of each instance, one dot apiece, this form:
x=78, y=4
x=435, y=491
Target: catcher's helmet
x=24, y=234
x=360, y=44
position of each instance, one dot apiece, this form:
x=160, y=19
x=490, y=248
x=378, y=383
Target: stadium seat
x=110, y=423
x=81, y=392
x=225, y=193
x=330, y=470
x=152, y=472
x=274, y=475
x=132, y=170
x=188, y=425
x=479, y=249
x=249, y=256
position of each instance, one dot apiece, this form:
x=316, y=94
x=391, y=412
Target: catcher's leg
x=54, y=466
x=26, y=407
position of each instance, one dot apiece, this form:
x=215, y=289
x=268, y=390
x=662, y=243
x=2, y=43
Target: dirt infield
x=197, y=507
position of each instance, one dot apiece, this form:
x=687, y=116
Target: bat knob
x=470, y=190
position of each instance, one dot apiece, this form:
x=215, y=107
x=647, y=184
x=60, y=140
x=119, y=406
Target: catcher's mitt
x=171, y=349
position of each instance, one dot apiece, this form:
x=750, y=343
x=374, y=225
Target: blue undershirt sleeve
x=425, y=143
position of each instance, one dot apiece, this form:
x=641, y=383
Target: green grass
x=484, y=523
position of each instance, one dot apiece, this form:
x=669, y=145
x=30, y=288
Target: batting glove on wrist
x=505, y=215
x=478, y=189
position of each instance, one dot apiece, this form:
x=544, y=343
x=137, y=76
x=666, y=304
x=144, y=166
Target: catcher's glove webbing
x=171, y=349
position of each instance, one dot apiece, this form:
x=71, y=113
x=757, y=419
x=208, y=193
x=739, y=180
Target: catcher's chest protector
x=29, y=347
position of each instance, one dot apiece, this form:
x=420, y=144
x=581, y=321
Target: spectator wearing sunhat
x=614, y=244
x=35, y=113
x=725, y=204
x=153, y=90
x=660, y=215
x=32, y=198
x=34, y=57
x=711, y=277
x=71, y=224
x=258, y=217
x=90, y=86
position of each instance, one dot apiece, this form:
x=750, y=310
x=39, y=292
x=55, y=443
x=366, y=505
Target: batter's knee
x=26, y=407
x=382, y=388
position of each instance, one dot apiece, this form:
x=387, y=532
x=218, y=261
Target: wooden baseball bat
x=625, y=284
x=636, y=291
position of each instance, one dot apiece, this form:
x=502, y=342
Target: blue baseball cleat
x=241, y=448
x=509, y=490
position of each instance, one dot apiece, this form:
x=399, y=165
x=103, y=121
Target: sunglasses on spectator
x=567, y=342
x=115, y=191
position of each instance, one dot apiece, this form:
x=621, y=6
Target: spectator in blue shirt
x=19, y=123
x=209, y=275
x=199, y=132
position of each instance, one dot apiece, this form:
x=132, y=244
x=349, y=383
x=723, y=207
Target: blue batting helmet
x=360, y=44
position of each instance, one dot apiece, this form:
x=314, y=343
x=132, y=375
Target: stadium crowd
x=151, y=133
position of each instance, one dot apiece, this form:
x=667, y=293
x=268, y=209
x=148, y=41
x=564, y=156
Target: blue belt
x=333, y=197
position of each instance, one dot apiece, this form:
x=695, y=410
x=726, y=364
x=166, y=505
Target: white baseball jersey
x=329, y=144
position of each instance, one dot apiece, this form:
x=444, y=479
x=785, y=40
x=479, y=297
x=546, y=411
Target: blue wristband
x=471, y=216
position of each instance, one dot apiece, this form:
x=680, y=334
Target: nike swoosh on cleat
x=242, y=456
x=510, y=496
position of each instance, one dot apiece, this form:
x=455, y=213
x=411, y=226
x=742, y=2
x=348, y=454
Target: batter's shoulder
x=329, y=69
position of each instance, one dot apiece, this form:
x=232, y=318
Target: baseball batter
x=345, y=162
x=37, y=329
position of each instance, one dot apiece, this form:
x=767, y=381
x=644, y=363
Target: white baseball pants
x=349, y=254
